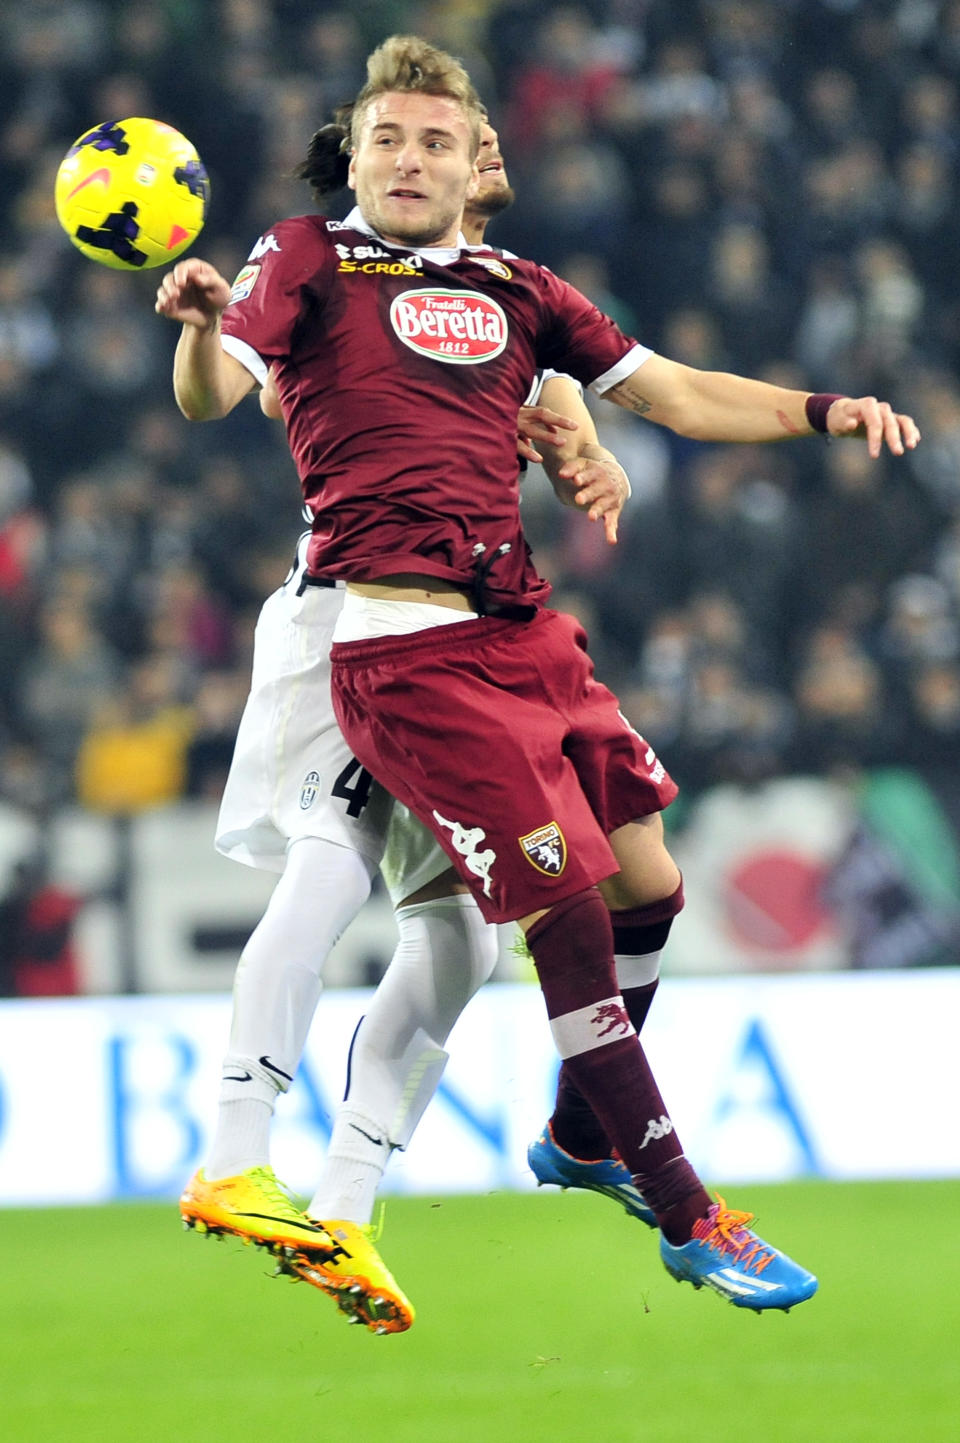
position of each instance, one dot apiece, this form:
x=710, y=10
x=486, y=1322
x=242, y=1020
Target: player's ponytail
x=327, y=161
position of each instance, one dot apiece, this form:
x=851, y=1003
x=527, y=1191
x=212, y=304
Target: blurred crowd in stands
x=765, y=186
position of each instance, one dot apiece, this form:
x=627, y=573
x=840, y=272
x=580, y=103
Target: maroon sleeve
x=575, y=337
x=269, y=293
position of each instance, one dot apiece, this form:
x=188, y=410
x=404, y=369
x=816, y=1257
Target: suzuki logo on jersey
x=461, y=327
x=375, y=261
x=546, y=849
x=264, y=244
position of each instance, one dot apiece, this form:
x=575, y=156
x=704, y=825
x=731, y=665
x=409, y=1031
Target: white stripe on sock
x=590, y=1027
x=637, y=971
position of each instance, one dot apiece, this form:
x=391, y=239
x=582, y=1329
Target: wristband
x=817, y=406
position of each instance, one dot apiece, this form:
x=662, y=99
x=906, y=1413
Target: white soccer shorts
x=292, y=774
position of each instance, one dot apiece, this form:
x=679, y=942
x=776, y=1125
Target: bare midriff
x=410, y=586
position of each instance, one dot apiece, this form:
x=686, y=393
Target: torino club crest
x=546, y=849
x=463, y=328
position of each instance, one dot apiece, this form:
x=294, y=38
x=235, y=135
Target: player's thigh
x=647, y=871
x=415, y=868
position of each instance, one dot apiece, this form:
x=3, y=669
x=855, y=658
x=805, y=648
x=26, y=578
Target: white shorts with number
x=292, y=774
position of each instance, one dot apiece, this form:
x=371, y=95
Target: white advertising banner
x=767, y=1078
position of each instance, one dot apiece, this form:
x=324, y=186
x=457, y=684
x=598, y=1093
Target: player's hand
x=540, y=424
x=876, y=421
x=601, y=487
x=194, y=292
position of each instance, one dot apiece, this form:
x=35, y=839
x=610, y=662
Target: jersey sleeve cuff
x=625, y=367
x=247, y=356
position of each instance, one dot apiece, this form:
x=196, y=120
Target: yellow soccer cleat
x=253, y=1206
x=356, y=1277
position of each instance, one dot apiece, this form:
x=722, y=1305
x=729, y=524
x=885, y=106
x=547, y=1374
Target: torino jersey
x=400, y=373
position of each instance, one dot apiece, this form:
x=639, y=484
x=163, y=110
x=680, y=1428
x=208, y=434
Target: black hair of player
x=328, y=156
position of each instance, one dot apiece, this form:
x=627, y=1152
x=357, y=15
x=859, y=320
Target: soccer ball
x=132, y=194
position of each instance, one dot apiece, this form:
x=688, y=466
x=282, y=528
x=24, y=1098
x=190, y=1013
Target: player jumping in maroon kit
x=401, y=363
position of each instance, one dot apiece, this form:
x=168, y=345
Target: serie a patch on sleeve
x=244, y=284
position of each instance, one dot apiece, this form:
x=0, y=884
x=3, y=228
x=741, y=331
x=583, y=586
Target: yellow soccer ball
x=132, y=194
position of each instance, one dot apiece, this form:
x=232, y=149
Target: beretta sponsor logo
x=462, y=327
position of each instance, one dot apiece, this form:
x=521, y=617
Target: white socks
x=444, y=953
x=275, y=993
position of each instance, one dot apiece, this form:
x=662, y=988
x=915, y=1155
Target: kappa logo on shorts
x=466, y=841
x=546, y=849
x=308, y=792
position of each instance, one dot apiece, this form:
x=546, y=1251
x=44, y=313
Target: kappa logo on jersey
x=463, y=328
x=244, y=284
x=546, y=849
x=495, y=266
x=264, y=244
x=466, y=841
x=308, y=792
x=373, y=260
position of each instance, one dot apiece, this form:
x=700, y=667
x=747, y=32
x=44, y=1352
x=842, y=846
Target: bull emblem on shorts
x=546, y=849
x=614, y=1015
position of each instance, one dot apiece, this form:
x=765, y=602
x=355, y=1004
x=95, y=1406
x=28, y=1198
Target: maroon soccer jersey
x=400, y=378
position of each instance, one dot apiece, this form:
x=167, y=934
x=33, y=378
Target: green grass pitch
x=545, y=1316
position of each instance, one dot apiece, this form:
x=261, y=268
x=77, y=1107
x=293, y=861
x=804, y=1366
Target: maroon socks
x=603, y=1061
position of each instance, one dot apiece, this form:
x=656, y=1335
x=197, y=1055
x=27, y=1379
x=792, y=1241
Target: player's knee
x=648, y=874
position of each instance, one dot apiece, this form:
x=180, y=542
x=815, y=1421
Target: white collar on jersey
x=439, y=255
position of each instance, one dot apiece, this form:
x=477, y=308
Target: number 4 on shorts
x=357, y=795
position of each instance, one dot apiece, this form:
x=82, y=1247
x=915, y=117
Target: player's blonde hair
x=405, y=62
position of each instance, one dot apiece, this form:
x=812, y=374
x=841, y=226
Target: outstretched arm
x=718, y=406
x=207, y=382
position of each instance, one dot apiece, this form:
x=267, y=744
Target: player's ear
x=473, y=185
x=352, y=172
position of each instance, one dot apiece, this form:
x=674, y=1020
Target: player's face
x=494, y=192
x=413, y=167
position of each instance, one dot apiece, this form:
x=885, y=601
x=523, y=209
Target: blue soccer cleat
x=608, y=1175
x=725, y=1255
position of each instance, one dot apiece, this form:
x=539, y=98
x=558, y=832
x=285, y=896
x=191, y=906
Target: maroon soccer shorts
x=497, y=736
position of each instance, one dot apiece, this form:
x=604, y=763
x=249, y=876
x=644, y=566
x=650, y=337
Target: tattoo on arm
x=787, y=424
x=631, y=398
